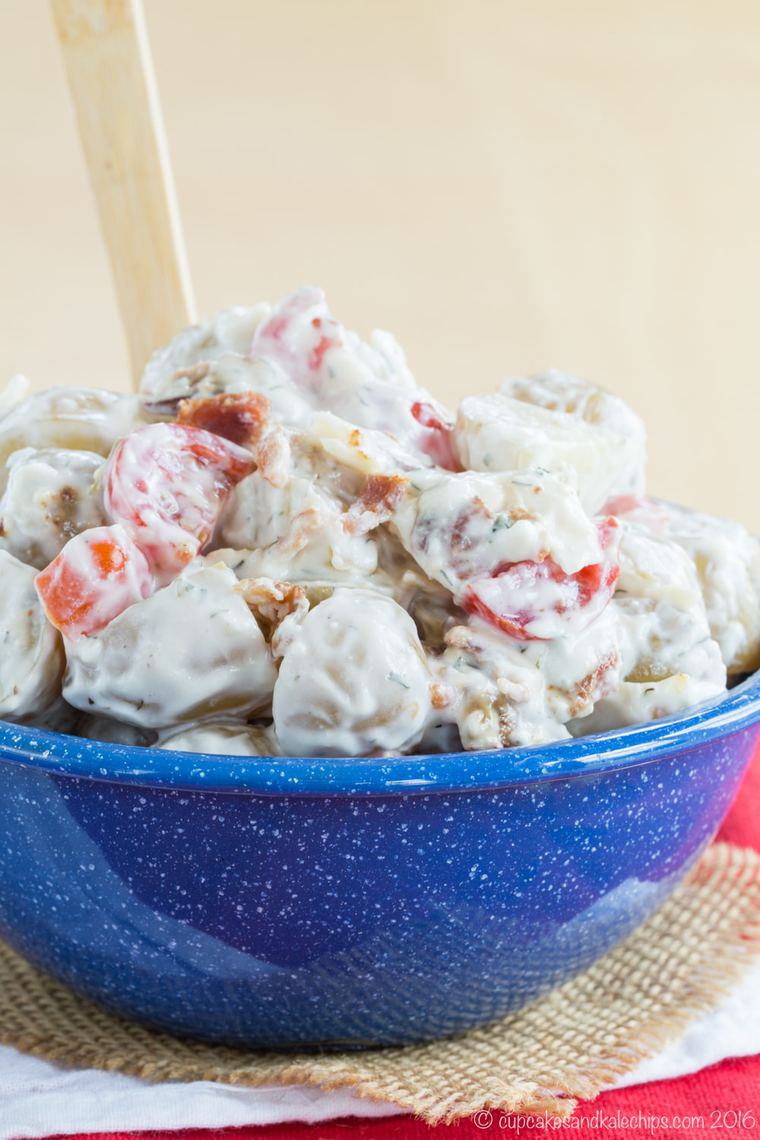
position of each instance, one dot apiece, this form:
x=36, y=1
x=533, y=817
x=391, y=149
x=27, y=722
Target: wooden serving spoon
x=110, y=73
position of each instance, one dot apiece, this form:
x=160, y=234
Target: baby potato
x=501, y=433
x=297, y=532
x=354, y=681
x=233, y=375
x=192, y=650
x=573, y=398
x=668, y=659
x=506, y=693
x=110, y=731
x=87, y=419
x=726, y=558
x=31, y=654
x=57, y=717
x=49, y=497
x=179, y=369
x=222, y=738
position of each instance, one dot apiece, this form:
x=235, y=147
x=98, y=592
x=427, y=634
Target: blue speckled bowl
x=350, y=902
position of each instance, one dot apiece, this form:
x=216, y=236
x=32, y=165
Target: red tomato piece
x=333, y=338
x=623, y=504
x=97, y=575
x=166, y=484
x=298, y=334
x=654, y=514
x=435, y=439
x=537, y=601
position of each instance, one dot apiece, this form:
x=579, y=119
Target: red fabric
x=722, y=1101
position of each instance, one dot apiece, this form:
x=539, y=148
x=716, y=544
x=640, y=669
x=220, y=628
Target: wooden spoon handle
x=110, y=72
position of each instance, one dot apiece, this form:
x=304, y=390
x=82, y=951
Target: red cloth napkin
x=721, y=1101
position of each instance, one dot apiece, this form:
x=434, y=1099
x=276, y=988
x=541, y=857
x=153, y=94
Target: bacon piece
x=241, y=417
x=97, y=575
x=272, y=455
x=442, y=696
x=271, y=601
x=594, y=685
x=380, y=496
x=279, y=609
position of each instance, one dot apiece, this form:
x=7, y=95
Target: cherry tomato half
x=539, y=601
x=97, y=575
x=166, y=484
x=435, y=439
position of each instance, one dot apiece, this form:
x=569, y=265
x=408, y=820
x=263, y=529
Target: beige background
x=505, y=185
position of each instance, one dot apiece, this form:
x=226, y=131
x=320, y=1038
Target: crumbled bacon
x=272, y=455
x=383, y=493
x=272, y=600
x=380, y=496
x=461, y=536
x=241, y=417
x=594, y=685
x=279, y=608
x=441, y=696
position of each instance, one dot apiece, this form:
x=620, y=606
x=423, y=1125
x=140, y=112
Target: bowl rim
x=62, y=755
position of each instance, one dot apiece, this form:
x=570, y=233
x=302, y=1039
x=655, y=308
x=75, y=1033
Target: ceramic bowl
x=300, y=903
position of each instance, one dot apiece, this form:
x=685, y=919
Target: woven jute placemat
x=569, y=1045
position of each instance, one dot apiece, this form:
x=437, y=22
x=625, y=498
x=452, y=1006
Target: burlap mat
x=570, y=1044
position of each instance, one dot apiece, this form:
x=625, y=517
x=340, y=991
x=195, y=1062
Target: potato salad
x=282, y=545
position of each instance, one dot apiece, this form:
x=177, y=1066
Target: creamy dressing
x=285, y=546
